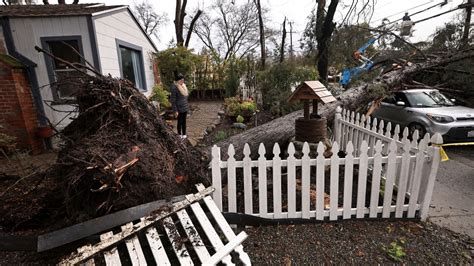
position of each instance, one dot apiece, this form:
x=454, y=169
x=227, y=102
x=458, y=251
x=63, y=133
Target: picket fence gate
x=393, y=177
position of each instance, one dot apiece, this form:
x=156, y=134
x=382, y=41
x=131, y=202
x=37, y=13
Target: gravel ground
x=358, y=242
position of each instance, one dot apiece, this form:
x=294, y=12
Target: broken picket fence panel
x=171, y=236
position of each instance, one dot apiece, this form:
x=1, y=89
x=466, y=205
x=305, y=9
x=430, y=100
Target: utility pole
x=291, y=39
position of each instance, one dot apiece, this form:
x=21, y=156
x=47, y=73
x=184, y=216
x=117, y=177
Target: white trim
x=108, y=11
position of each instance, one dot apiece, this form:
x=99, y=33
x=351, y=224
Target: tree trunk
x=191, y=27
x=324, y=30
x=467, y=24
x=180, y=13
x=262, y=35
x=283, y=36
x=282, y=129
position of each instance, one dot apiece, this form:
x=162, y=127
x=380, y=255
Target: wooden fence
x=379, y=176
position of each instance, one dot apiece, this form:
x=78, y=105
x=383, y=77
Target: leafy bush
x=276, y=83
x=160, y=95
x=235, y=107
x=239, y=119
x=177, y=59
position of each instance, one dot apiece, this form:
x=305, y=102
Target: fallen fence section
x=380, y=177
x=171, y=235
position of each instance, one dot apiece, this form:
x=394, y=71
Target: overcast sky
x=298, y=11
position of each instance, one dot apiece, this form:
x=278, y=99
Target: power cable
x=421, y=11
x=398, y=13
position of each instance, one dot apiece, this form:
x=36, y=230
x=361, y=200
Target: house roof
x=312, y=90
x=53, y=10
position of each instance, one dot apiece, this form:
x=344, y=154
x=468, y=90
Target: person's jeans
x=182, y=123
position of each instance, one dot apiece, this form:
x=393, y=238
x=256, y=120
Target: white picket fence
x=380, y=176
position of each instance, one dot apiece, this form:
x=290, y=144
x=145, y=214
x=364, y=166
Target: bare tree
x=148, y=18
x=262, y=34
x=283, y=37
x=467, y=24
x=233, y=30
x=180, y=14
x=324, y=29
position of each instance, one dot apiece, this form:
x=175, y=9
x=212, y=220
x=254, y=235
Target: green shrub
x=234, y=107
x=239, y=119
x=276, y=83
x=160, y=95
x=220, y=135
x=177, y=59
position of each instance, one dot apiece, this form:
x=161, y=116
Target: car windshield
x=428, y=99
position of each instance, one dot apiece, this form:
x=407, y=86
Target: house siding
x=121, y=26
x=27, y=32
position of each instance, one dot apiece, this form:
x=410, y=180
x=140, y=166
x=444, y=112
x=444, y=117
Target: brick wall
x=17, y=110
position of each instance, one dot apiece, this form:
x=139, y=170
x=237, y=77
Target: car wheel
x=415, y=126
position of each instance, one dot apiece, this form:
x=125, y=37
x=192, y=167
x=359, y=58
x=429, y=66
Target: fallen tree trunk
x=282, y=129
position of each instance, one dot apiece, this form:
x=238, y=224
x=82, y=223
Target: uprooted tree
x=282, y=129
x=117, y=153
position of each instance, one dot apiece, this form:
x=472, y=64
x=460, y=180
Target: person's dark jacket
x=178, y=101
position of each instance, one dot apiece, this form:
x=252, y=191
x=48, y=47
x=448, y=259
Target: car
x=428, y=110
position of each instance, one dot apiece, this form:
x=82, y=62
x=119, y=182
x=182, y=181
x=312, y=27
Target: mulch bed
x=357, y=242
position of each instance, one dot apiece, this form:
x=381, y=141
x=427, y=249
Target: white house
x=109, y=37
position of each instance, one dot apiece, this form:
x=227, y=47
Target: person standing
x=179, y=102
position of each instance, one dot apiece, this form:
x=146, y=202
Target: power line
x=401, y=12
x=421, y=11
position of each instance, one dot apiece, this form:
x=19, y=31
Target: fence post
x=337, y=125
x=436, y=141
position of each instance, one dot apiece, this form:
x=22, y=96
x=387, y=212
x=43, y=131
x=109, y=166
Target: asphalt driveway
x=452, y=205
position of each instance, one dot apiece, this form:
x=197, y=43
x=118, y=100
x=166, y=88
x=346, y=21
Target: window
x=131, y=64
x=64, y=78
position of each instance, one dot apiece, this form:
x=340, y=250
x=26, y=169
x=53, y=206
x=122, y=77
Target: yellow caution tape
x=442, y=152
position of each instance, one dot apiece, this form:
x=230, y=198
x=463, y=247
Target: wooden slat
x=305, y=182
x=276, y=167
x=377, y=170
x=228, y=248
x=262, y=181
x=348, y=178
x=177, y=242
x=415, y=189
x=390, y=179
x=210, y=231
x=291, y=181
x=216, y=176
x=232, y=183
x=248, y=198
x=362, y=180
x=434, y=152
x=193, y=235
x=157, y=249
x=320, y=182
x=402, y=184
x=111, y=256
x=225, y=227
x=133, y=247
x=334, y=183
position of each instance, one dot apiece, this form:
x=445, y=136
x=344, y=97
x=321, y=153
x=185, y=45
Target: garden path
x=203, y=115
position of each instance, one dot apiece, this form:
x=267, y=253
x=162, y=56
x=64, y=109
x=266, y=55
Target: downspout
x=30, y=70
